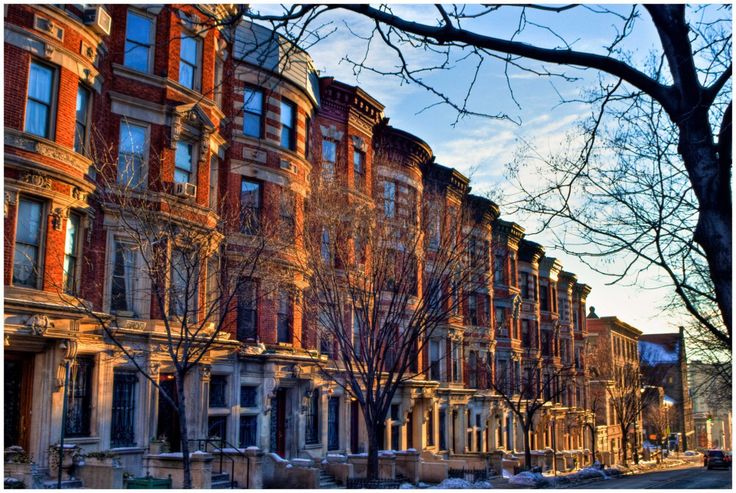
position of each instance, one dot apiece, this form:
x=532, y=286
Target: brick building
x=224, y=138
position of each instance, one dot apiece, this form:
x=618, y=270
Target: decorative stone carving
x=15, y=140
x=11, y=198
x=359, y=143
x=331, y=132
x=37, y=180
x=153, y=368
x=204, y=145
x=79, y=194
x=70, y=353
x=177, y=125
x=39, y=324
x=58, y=215
x=135, y=324
x=205, y=372
x=516, y=303
x=250, y=154
x=48, y=51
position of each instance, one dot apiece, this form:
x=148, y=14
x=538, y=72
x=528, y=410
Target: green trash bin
x=148, y=483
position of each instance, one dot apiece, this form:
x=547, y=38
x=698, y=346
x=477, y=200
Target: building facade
x=187, y=112
x=712, y=415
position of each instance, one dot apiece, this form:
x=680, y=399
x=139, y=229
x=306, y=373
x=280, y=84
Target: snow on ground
x=530, y=479
x=450, y=484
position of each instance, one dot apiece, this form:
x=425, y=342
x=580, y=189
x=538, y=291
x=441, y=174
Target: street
x=687, y=477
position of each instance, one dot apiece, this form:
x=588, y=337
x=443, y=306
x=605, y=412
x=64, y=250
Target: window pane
x=29, y=222
x=122, y=278
x=186, y=75
x=248, y=396
x=70, y=253
x=122, y=433
x=138, y=28
x=136, y=56
x=37, y=117
x=27, y=241
x=252, y=125
x=131, y=152
x=248, y=431
x=183, y=171
x=79, y=403
x=39, y=84
x=189, y=50
x=80, y=133
x=329, y=149
x=253, y=101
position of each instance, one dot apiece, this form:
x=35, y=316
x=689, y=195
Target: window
x=39, y=103
x=247, y=311
x=430, y=428
x=138, y=42
x=546, y=343
x=248, y=431
x=214, y=294
x=333, y=423
x=250, y=206
x=253, y=113
x=435, y=232
x=473, y=369
x=308, y=137
x=71, y=253
x=189, y=62
x=357, y=347
x=123, y=270
x=325, y=247
x=82, y=115
x=288, y=125
x=329, y=156
x=359, y=169
x=217, y=427
x=248, y=396
x=122, y=433
x=184, y=283
x=131, y=155
x=526, y=337
x=79, y=400
x=443, y=429
x=284, y=317
x=286, y=211
x=389, y=199
x=473, y=309
x=311, y=433
x=524, y=285
x=183, y=164
x=218, y=391
x=219, y=70
x=514, y=277
x=26, y=261
x=544, y=298
x=434, y=359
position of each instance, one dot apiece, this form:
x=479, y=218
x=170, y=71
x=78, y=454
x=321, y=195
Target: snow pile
x=528, y=479
x=589, y=473
x=461, y=484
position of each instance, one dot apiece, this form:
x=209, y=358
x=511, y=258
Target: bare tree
x=380, y=285
x=688, y=81
x=166, y=265
x=539, y=386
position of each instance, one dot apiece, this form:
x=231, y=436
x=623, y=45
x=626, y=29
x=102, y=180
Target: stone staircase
x=222, y=481
x=327, y=481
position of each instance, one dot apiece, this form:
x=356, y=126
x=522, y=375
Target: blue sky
x=482, y=147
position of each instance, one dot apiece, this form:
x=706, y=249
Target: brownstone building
x=217, y=132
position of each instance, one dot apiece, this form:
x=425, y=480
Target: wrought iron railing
x=470, y=475
x=226, y=450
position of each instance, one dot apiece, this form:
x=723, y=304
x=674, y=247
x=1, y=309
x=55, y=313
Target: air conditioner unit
x=98, y=19
x=188, y=190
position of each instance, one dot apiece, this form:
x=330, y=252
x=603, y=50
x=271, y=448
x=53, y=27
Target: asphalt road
x=685, y=478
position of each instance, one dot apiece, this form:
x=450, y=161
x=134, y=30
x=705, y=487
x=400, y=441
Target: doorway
x=18, y=392
x=168, y=417
x=278, y=423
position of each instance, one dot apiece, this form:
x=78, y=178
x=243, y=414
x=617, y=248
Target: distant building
x=712, y=413
x=663, y=360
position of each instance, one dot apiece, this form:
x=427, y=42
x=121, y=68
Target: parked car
x=717, y=458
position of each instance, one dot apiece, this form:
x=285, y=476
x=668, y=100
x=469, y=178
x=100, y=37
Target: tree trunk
x=187, y=480
x=375, y=432
x=635, y=447
x=527, y=448
x=593, y=439
x=711, y=185
x=624, y=449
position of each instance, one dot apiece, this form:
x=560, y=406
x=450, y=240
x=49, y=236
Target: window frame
x=75, y=254
x=197, y=67
x=133, y=282
x=359, y=184
x=252, y=285
x=285, y=314
x=291, y=128
x=255, y=210
x=328, y=172
x=40, y=263
x=151, y=51
x=192, y=179
x=130, y=378
x=85, y=400
x=389, y=199
x=50, y=130
x=192, y=312
x=144, y=156
x=87, y=112
x=260, y=115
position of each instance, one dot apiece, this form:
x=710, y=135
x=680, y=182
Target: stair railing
x=219, y=446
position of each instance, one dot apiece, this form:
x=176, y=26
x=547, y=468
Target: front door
x=333, y=423
x=18, y=391
x=168, y=418
x=278, y=423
